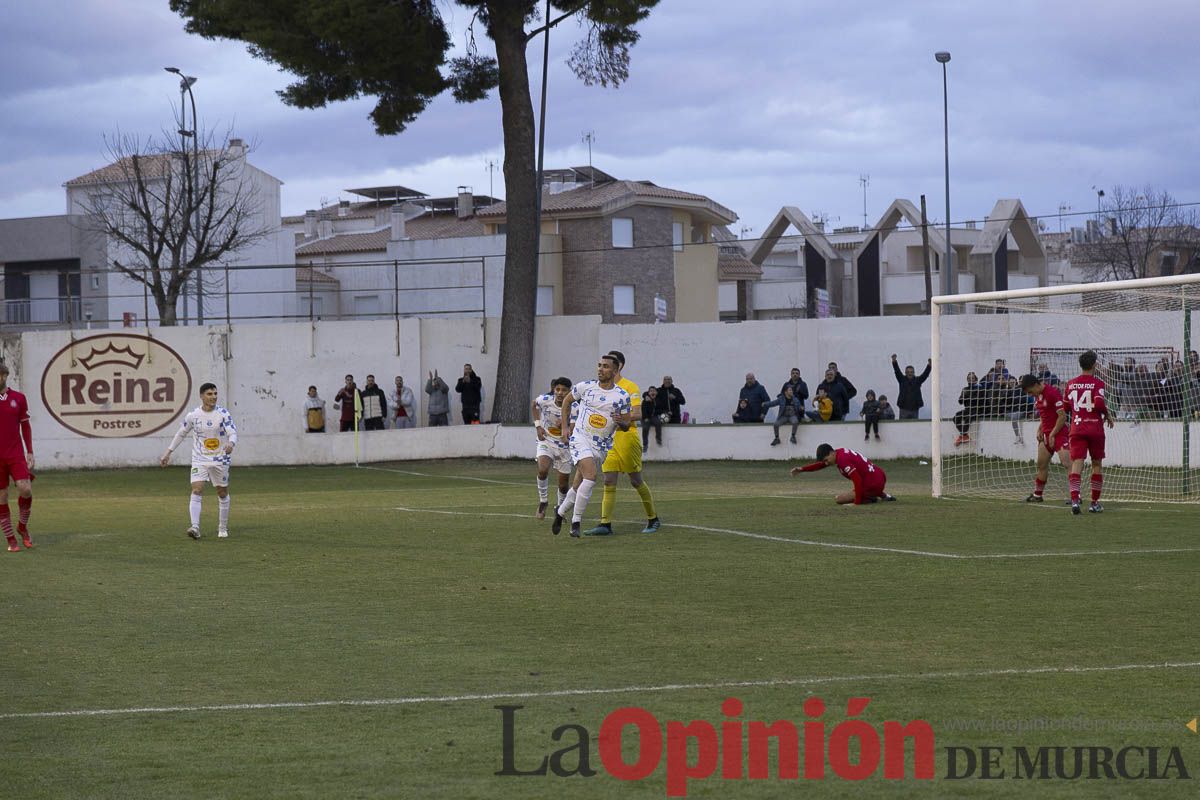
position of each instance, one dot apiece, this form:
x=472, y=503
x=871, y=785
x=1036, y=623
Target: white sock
x=194, y=509
x=564, y=507
x=543, y=489
x=223, y=513
x=582, y=495
x=561, y=496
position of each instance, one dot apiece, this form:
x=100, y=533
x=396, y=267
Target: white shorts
x=560, y=457
x=582, y=446
x=216, y=474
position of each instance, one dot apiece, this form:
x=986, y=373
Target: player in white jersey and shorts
x=213, y=439
x=603, y=408
x=551, y=452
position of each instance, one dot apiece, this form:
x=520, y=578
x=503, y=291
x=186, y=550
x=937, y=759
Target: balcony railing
x=43, y=311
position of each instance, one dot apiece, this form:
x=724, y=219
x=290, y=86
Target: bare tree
x=171, y=207
x=1144, y=232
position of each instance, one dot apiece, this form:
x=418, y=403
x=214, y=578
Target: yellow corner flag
x=1191, y=726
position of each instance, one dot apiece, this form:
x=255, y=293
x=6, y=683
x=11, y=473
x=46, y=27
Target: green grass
x=325, y=591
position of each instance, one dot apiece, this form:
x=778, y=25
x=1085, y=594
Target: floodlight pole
x=948, y=269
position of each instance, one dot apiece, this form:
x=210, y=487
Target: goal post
x=983, y=434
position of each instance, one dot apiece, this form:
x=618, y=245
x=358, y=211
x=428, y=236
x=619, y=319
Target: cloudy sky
x=757, y=104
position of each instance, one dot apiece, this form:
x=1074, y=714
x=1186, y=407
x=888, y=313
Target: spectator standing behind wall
x=835, y=390
x=799, y=387
x=403, y=405
x=755, y=395
x=347, y=399
x=652, y=417
x=851, y=392
x=314, y=412
x=909, y=399
x=669, y=400
x=439, y=400
x=470, y=390
x=374, y=405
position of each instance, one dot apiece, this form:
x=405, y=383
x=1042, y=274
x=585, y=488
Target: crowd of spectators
x=370, y=408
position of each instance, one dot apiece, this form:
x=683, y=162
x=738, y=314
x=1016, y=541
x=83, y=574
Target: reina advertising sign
x=116, y=385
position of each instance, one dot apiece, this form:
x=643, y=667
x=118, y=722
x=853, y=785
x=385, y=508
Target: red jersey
x=869, y=480
x=1085, y=398
x=14, y=416
x=1048, y=404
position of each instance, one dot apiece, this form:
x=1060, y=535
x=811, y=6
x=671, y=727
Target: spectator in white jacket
x=403, y=406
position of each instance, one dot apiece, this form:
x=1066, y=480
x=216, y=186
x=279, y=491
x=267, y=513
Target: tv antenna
x=589, y=137
x=491, y=168
x=865, y=180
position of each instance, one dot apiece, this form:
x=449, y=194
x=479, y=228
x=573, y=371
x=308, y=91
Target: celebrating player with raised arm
x=16, y=461
x=869, y=480
x=213, y=438
x=551, y=451
x=1089, y=414
x=1053, y=433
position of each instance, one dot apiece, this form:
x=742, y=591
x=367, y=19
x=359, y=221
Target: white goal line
x=582, y=692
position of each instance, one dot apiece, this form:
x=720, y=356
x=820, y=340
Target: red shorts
x=1060, y=441
x=874, y=485
x=1086, y=443
x=13, y=467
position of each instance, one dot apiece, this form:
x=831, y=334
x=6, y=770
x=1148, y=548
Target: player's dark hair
x=610, y=357
x=312, y=387
x=204, y=387
x=1088, y=360
x=619, y=356
x=1029, y=381
x=823, y=451
x=560, y=382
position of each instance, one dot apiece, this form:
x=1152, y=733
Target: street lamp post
x=185, y=85
x=948, y=270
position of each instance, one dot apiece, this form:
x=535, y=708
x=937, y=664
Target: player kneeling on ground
x=869, y=480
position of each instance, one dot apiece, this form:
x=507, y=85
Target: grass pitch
x=999, y=623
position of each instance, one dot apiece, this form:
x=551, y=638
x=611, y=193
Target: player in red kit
x=869, y=480
x=16, y=461
x=1089, y=414
x=1053, y=433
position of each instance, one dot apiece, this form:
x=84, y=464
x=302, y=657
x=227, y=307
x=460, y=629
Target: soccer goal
x=984, y=432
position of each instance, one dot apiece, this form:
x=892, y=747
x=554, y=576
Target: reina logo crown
x=112, y=355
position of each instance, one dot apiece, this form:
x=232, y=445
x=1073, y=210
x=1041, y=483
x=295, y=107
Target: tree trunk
x=511, y=402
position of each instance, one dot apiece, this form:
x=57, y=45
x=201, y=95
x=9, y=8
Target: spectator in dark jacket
x=870, y=415
x=374, y=403
x=886, y=412
x=836, y=391
x=651, y=417
x=798, y=386
x=909, y=400
x=755, y=396
x=343, y=401
x=851, y=392
x=973, y=398
x=669, y=400
x=791, y=409
x=470, y=389
x=742, y=413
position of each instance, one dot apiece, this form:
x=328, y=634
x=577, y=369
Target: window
x=545, y=301
x=622, y=228
x=366, y=305
x=677, y=235
x=623, y=300
x=1170, y=261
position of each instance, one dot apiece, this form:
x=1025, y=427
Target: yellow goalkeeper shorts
x=626, y=453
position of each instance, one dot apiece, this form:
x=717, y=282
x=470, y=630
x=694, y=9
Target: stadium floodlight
x=1142, y=332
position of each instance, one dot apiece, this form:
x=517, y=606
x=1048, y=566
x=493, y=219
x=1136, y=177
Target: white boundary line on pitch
x=845, y=545
x=669, y=687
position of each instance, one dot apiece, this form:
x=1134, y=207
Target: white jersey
x=598, y=409
x=211, y=431
x=550, y=413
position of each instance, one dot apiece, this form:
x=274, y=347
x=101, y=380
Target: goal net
x=985, y=426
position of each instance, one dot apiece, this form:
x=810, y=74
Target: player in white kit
x=603, y=408
x=213, y=438
x=551, y=452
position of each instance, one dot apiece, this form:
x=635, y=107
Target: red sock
x=1076, y=481
x=1097, y=485
x=1039, y=486
x=24, y=504
x=6, y=523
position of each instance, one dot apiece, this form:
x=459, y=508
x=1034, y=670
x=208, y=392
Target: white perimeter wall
x=264, y=381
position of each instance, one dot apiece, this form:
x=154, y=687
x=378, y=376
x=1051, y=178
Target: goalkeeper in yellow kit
x=625, y=456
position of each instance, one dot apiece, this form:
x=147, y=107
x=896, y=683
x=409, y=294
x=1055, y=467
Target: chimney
x=343, y=207
x=237, y=148
x=326, y=228
x=310, y=224
x=466, y=202
x=398, y=223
